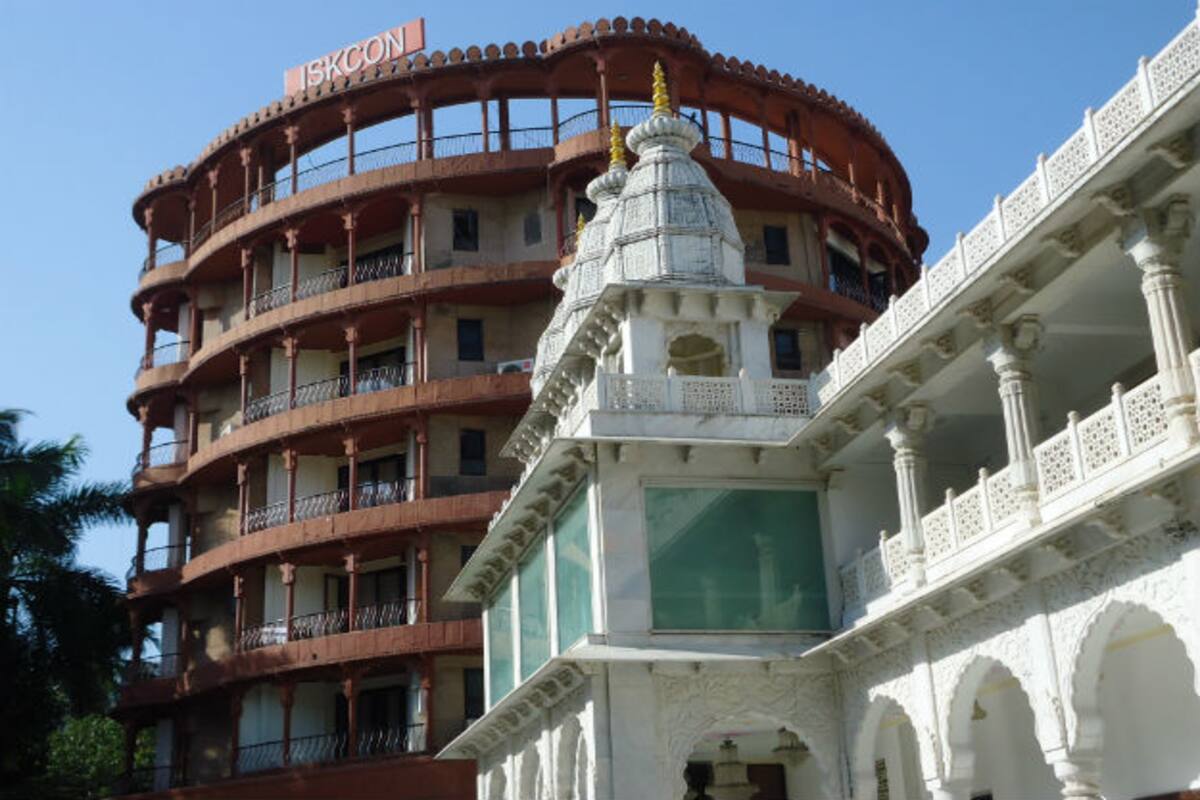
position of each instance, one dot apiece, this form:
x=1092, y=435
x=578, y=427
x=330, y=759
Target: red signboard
x=382, y=48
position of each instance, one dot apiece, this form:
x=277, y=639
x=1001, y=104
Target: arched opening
x=1137, y=684
x=693, y=354
x=757, y=761
x=895, y=764
x=497, y=784
x=993, y=740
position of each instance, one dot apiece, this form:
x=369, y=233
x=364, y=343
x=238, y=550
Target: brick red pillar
x=247, y=281
x=287, y=573
x=213, y=178
x=195, y=318
x=351, y=332
x=350, y=223
x=293, y=243
x=727, y=135
x=147, y=434
x=290, y=461
x=423, y=560
x=239, y=609
x=554, y=118
x=151, y=240
x=247, y=156
x=418, y=323
x=483, y=123
x=191, y=209
x=418, y=235
x=291, y=348
x=244, y=374
x=148, y=319
x=350, y=446
x=350, y=692
x=287, y=696
x=292, y=134
x=421, y=488
x=352, y=563
x=348, y=119
x=602, y=92
x=505, y=131
x=243, y=476
x=139, y=562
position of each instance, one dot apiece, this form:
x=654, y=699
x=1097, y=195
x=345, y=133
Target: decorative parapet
x=1103, y=131
x=692, y=394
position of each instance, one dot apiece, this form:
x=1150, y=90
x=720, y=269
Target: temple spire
x=579, y=223
x=616, y=147
x=662, y=97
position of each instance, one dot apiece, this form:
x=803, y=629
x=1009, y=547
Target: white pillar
x=1080, y=778
x=1010, y=350
x=1156, y=246
x=906, y=427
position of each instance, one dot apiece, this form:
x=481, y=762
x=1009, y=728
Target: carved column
x=350, y=692
x=348, y=119
x=423, y=560
x=906, y=428
x=287, y=574
x=1010, y=349
x=247, y=156
x=352, y=564
x=244, y=374
x=247, y=281
x=214, y=175
x=418, y=324
x=291, y=460
x=350, y=443
x=1080, y=778
x=293, y=243
x=148, y=319
x=351, y=332
x=350, y=223
x=1156, y=246
x=239, y=609
x=292, y=134
x=243, y=476
x=291, y=348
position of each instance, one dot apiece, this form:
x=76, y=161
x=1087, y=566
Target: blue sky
x=97, y=97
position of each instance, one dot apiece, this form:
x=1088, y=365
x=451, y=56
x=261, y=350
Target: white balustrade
x=695, y=394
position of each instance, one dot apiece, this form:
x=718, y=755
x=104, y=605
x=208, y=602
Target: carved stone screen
x=500, y=645
x=534, y=610
x=573, y=570
x=735, y=559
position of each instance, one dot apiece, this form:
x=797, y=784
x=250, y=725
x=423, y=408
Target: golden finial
x=616, y=147
x=662, y=98
x=579, y=225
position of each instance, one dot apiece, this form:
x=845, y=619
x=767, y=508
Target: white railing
x=1132, y=423
x=1156, y=81
x=693, y=394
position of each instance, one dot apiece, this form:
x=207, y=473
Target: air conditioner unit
x=520, y=365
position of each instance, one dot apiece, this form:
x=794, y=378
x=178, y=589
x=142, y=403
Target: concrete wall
x=803, y=252
x=509, y=333
x=501, y=229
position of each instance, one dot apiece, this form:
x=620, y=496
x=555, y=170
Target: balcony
x=152, y=667
x=1076, y=468
x=157, y=559
x=164, y=355
x=167, y=254
x=373, y=380
x=694, y=394
x=168, y=454
x=330, y=747
x=329, y=623
x=386, y=264
x=326, y=504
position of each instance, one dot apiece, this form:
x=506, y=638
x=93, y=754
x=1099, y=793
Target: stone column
x=287, y=574
x=239, y=609
x=348, y=119
x=291, y=351
x=293, y=243
x=247, y=281
x=421, y=484
x=1156, y=246
x=243, y=475
x=350, y=447
x=151, y=239
x=244, y=374
x=1080, y=778
x=1010, y=349
x=423, y=560
x=351, y=332
x=290, y=461
x=350, y=223
x=352, y=564
x=350, y=692
x=418, y=233
x=246, y=154
x=905, y=430
x=214, y=175
x=148, y=319
x=292, y=134
x=418, y=357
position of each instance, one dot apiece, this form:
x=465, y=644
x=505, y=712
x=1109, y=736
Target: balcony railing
x=162, y=455
x=329, y=623
x=692, y=394
x=328, y=747
x=327, y=503
x=371, y=268
x=167, y=254
x=163, y=355
x=1088, y=449
x=158, y=558
x=163, y=665
x=371, y=380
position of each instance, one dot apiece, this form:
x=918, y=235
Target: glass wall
x=735, y=559
x=500, y=644
x=534, y=609
x=573, y=570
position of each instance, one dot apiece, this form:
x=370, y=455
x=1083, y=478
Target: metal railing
x=167, y=254
x=329, y=623
x=158, y=558
x=148, y=668
x=370, y=268
x=327, y=747
x=162, y=455
x=372, y=380
x=164, y=354
x=386, y=615
x=366, y=495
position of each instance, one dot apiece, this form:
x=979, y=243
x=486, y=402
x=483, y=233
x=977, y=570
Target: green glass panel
x=500, y=645
x=735, y=559
x=535, y=610
x=573, y=571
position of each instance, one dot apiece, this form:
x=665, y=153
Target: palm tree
x=62, y=629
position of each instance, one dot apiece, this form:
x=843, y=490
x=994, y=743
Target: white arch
x=960, y=750
x=1087, y=659
x=863, y=756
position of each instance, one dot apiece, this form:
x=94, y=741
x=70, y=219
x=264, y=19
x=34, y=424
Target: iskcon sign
x=381, y=48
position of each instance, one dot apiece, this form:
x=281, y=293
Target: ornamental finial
x=616, y=147
x=579, y=226
x=662, y=98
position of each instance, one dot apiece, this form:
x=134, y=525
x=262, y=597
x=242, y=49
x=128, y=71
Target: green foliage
x=86, y=759
x=62, y=628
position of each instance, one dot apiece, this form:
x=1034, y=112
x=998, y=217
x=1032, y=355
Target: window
x=472, y=452
x=533, y=227
x=787, y=349
x=470, y=340
x=735, y=559
x=775, y=241
x=500, y=644
x=466, y=229
x=473, y=693
x=583, y=207
x=465, y=552
x=573, y=570
x=535, y=610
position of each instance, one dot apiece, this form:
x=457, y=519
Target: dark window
x=465, y=552
x=470, y=340
x=473, y=692
x=472, y=452
x=466, y=229
x=787, y=349
x=775, y=241
x=533, y=227
x=585, y=207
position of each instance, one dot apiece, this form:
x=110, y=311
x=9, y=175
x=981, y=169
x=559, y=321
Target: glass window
x=535, y=610
x=775, y=242
x=470, y=340
x=466, y=229
x=500, y=644
x=533, y=227
x=573, y=571
x=735, y=559
x=472, y=693
x=787, y=349
x=472, y=452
